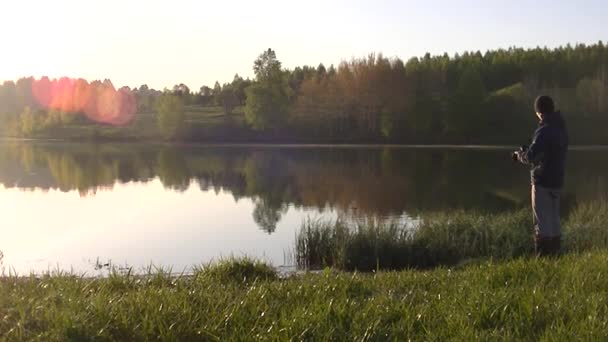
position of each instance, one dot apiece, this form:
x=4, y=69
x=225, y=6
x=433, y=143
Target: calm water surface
x=73, y=206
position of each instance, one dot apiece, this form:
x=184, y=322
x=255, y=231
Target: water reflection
x=381, y=182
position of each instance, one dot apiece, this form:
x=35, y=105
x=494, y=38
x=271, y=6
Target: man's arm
x=536, y=152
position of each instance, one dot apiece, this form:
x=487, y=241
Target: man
x=547, y=158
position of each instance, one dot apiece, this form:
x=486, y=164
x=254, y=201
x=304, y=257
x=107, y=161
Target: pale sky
x=162, y=43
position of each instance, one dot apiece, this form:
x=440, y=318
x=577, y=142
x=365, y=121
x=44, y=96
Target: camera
x=515, y=155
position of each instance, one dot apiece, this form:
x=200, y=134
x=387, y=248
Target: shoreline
x=521, y=299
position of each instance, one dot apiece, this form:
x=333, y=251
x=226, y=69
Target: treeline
x=469, y=98
x=29, y=105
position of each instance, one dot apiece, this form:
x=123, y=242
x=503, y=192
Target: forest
x=468, y=98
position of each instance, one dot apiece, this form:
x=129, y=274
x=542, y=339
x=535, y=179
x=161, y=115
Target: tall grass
x=587, y=226
x=238, y=270
x=438, y=239
x=447, y=238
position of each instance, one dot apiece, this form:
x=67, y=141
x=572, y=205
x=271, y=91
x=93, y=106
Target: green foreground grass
x=486, y=286
x=522, y=299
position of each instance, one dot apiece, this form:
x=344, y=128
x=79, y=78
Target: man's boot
x=542, y=245
x=556, y=242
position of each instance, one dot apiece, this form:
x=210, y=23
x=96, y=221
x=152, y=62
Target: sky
x=163, y=43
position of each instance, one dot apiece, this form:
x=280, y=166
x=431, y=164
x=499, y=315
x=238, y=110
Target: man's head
x=543, y=106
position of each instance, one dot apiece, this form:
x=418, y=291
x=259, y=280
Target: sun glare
x=99, y=101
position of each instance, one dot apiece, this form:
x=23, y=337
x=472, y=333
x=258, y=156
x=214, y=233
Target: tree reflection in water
x=379, y=181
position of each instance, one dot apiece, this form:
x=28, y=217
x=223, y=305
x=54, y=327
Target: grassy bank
x=447, y=239
x=525, y=298
x=492, y=289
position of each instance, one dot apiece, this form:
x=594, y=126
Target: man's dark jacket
x=547, y=153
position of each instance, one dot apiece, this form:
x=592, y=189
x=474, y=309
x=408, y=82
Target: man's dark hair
x=544, y=105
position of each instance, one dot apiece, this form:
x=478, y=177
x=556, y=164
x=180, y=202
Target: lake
x=79, y=207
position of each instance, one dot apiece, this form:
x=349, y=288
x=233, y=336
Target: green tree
x=228, y=98
x=143, y=95
x=8, y=97
x=466, y=115
x=266, y=107
x=29, y=124
x=217, y=93
x=267, y=67
x=268, y=98
x=238, y=86
x=23, y=92
x=204, y=97
x=591, y=95
x=170, y=109
x=183, y=92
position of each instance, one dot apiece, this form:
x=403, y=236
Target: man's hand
x=516, y=156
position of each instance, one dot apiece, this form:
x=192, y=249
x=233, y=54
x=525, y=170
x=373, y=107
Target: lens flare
x=98, y=101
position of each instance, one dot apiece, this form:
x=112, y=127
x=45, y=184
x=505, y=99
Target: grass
x=238, y=270
x=144, y=126
x=447, y=239
x=197, y=115
x=438, y=239
x=522, y=299
x=486, y=287
x=587, y=226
